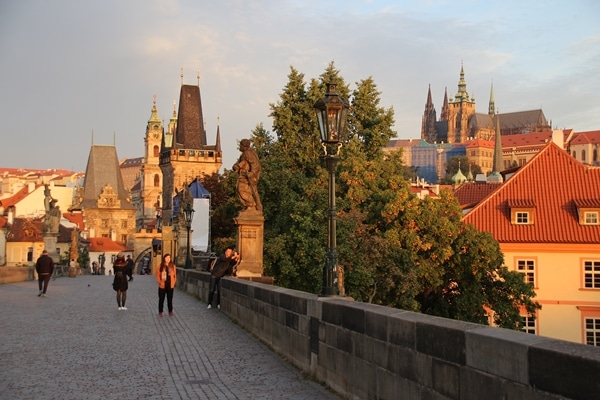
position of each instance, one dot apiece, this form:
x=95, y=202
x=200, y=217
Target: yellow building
x=546, y=218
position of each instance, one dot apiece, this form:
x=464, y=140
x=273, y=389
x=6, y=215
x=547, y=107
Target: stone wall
x=365, y=351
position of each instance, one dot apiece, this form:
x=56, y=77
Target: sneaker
x=40, y=294
x=171, y=313
x=120, y=308
x=160, y=314
x=208, y=307
x=43, y=294
x=124, y=308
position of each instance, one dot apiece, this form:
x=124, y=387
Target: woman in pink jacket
x=166, y=275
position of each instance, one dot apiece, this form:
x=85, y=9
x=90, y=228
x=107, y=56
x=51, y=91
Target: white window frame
x=528, y=268
x=522, y=217
x=591, y=274
x=591, y=331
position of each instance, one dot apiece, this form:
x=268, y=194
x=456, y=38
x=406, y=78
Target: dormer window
x=522, y=212
x=522, y=217
x=590, y=218
x=588, y=211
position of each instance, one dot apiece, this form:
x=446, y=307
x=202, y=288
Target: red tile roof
x=106, y=244
x=553, y=183
x=469, y=194
x=592, y=137
x=15, y=198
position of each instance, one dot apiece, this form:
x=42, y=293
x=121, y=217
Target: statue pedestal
x=50, y=240
x=250, y=234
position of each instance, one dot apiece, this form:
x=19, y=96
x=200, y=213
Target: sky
x=73, y=72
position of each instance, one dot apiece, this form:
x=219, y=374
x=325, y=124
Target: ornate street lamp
x=188, y=214
x=331, y=114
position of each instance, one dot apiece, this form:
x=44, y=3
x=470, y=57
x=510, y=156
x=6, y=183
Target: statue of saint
x=248, y=170
x=53, y=214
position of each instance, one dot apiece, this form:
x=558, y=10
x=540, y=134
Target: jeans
x=215, y=284
x=161, y=299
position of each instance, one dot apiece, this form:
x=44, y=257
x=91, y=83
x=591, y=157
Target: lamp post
x=331, y=113
x=188, y=214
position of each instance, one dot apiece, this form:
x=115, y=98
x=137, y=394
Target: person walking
x=44, y=266
x=120, y=284
x=166, y=275
x=129, y=267
x=223, y=266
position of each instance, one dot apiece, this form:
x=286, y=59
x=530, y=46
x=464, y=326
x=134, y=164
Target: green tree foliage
x=396, y=249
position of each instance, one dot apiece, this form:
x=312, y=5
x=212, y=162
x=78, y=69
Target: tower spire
x=492, y=106
x=462, y=94
x=495, y=176
x=181, y=75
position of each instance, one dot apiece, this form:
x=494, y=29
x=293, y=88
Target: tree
x=396, y=249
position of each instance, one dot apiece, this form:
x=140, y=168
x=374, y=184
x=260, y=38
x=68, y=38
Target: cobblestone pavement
x=75, y=344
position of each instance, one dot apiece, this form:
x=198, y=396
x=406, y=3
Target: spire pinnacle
x=492, y=106
x=181, y=75
x=198, y=76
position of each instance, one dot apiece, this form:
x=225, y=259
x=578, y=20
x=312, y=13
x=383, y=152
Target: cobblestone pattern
x=75, y=344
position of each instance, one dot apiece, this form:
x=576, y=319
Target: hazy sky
x=70, y=67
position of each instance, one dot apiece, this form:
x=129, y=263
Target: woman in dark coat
x=120, y=284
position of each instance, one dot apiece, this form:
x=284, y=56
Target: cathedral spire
x=462, y=94
x=492, y=106
x=428, y=132
x=495, y=176
x=445, y=109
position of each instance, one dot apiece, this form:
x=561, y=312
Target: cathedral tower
x=460, y=110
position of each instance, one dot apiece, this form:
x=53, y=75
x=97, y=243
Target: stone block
x=501, y=352
x=443, y=338
x=565, y=368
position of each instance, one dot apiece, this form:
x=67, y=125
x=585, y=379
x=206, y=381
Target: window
x=590, y=217
x=527, y=267
x=592, y=331
x=105, y=223
x=123, y=238
x=590, y=322
x=522, y=218
x=156, y=180
x=156, y=151
x=124, y=224
x=591, y=274
x=30, y=254
x=582, y=155
x=528, y=324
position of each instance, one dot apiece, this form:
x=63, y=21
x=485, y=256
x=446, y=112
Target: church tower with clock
x=150, y=190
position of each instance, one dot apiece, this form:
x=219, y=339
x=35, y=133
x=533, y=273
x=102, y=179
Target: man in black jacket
x=44, y=267
x=222, y=267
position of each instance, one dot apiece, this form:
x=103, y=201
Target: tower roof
x=190, y=133
x=103, y=169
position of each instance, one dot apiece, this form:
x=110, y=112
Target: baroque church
x=459, y=122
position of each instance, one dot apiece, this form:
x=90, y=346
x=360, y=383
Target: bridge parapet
x=366, y=351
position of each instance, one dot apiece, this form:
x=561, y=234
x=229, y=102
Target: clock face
x=155, y=135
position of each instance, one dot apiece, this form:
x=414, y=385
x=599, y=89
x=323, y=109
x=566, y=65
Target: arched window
x=156, y=180
x=156, y=152
x=582, y=155
x=595, y=155
x=574, y=154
